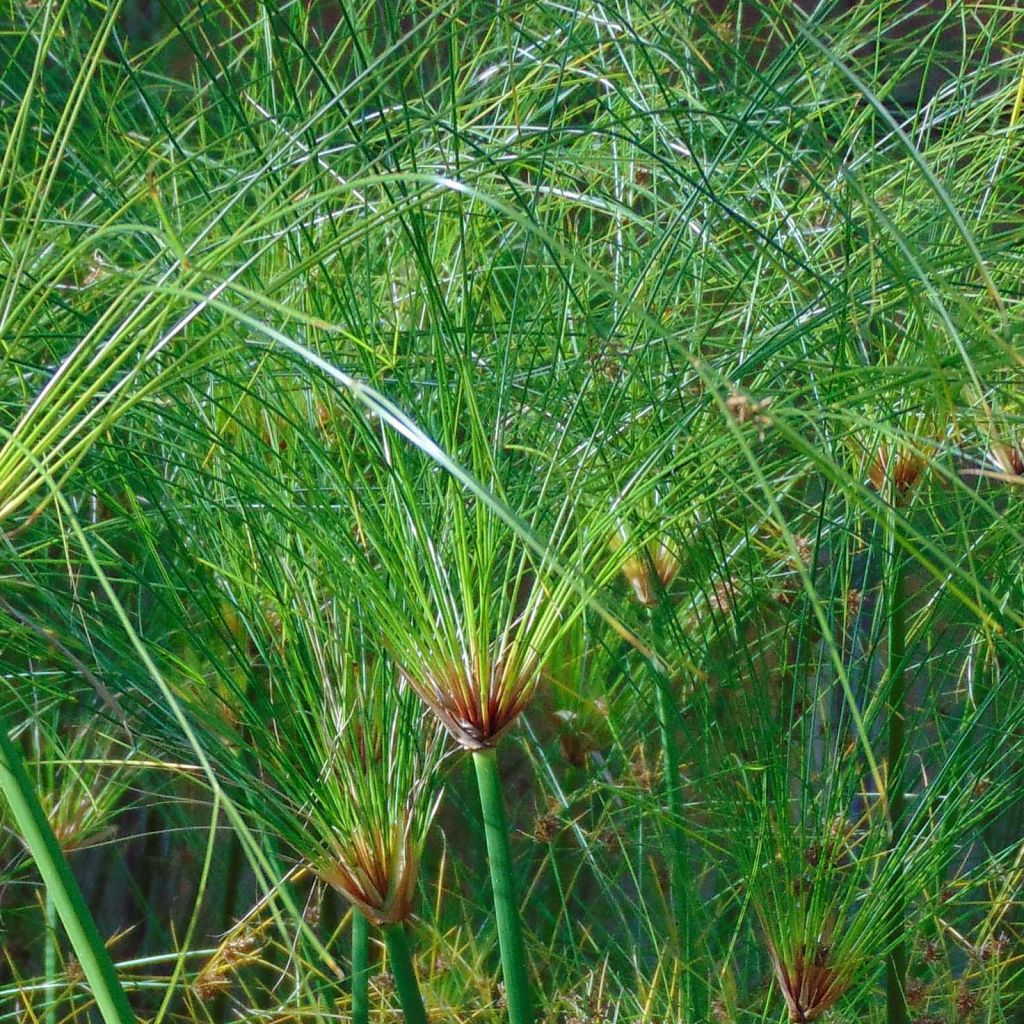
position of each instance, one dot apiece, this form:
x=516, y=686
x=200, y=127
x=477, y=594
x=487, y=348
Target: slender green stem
x=506, y=907
x=70, y=905
x=676, y=840
x=896, y=968
x=50, y=961
x=361, y=968
x=678, y=880
x=232, y=878
x=404, y=974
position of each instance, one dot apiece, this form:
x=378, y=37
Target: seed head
x=546, y=827
x=723, y=596
x=73, y=970
x=217, y=973
x=996, y=947
x=640, y=773
x=966, y=1003
x=745, y=409
x=916, y=993
x=383, y=983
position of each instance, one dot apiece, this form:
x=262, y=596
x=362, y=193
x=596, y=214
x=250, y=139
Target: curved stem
x=506, y=907
x=70, y=905
x=360, y=968
x=404, y=974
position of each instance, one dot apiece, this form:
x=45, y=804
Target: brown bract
x=745, y=409
x=810, y=985
x=376, y=873
x=476, y=706
x=1009, y=458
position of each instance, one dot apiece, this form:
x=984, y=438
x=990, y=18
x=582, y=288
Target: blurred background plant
x=359, y=337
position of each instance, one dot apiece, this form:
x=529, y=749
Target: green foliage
x=639, y=385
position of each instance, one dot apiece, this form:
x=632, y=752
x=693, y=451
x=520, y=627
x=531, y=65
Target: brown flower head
x=478, y=702
x=1009, y=459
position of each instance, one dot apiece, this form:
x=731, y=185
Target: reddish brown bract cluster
x=810, y=985
x=377, y=874
x=901, y=471
x=1009, y=458
x=474, y=710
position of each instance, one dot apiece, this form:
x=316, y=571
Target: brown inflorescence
x=218, y=972
x=745, y=409
x=1009, y=458
x=546, y=827
x=901, y=471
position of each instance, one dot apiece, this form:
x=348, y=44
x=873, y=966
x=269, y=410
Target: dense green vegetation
x=511, y=511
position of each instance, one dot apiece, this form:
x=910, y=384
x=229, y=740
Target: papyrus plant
x=470, y=616
x=475, y=654
x=829, y=889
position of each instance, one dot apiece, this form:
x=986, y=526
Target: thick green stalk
x=506, y=907
x=232, y=878
x=361, y=968
x=896, y=968
x=35, y=830
x=404, y=973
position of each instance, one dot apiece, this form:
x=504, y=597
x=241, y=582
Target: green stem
x=678, y=879
x=70, y=905
x=506, y=907
x=676, y=840
x=404, y=974
x=50, y=961
x=896, y=967
x=361, y=968
x=232, y=878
